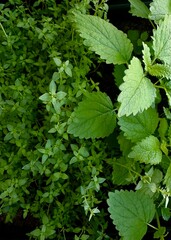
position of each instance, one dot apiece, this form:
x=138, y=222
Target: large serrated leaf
x=147, y=151
x=94, y=117
x=103, y=38
x=131, y=212
x=140, y=126
x=139, y=9
x=159, y=9
x=162, y=41
x=137, y=91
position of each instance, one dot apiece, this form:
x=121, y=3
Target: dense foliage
x=70, y=157
x=45, y=173
x=139, y=118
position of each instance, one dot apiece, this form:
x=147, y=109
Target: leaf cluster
x=139, y=119
x=45, y=173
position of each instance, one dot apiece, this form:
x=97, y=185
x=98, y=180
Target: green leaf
x=131, y=212
x=160, y=233
x=137, y=91
x=160, y=70
x=119, y=74
x=146, y=56
x=139, y=9
x=140, y=126
x=147, y=151
x=167, y=179
x=162, y=41
x=159, y=9
x=94, y=117
x=163, y=128
x=166, y=213
x=104, y=39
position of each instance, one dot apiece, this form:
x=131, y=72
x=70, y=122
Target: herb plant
x=139, y=119
x=46, y=174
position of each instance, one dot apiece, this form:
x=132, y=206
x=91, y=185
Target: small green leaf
x=36, y=233
x=131, y=212
x=162, y=41
x=159, y=9
x=160, y=233
x=104, y=39
x=146, y=56
x=139, y=9
x=166, y=213
x=137, y=91
x=94, y=117
x=140, y=126
x=160, y=70
x=147, y=151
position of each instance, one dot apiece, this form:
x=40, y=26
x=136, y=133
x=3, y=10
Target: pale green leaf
x=167, y=178
x=137, y=91
x=139, y=9
x=160, y=70
x=94, y=117
x=146, y=56
x=131, y=212
x=159, y=9
x=103, y=38
x=162, y=41
x=140, y=126
x=147, y=151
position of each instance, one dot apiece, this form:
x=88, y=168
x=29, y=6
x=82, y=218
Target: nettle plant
x=140, y=118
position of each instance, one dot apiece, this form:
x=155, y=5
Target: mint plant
x=139, y=119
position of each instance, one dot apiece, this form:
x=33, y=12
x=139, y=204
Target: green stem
x=3, y=30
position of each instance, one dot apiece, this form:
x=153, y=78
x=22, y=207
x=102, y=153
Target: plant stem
x=3, y=30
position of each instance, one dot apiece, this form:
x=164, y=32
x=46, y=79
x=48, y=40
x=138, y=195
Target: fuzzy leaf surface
x=159, y=9
x=94, y=117
x=137, y=91
x=142, y=125
x=147, y=151
x=104, y=39
x=139, y=9
x=131, y=212
x=162, y=41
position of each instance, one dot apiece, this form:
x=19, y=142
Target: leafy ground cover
x=72, y=157
x=45, y=173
